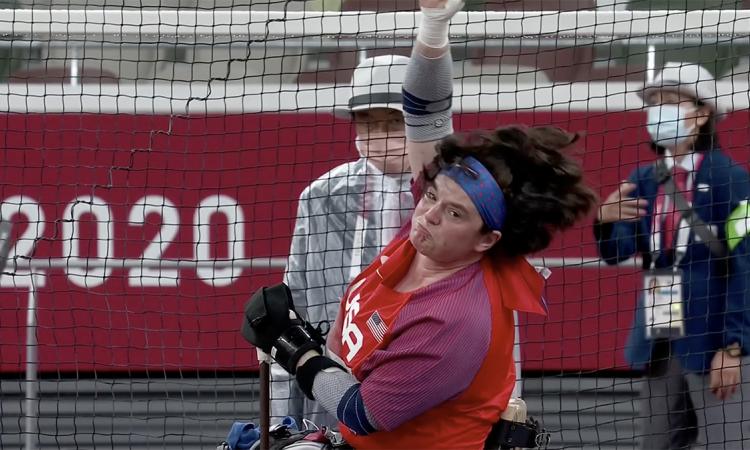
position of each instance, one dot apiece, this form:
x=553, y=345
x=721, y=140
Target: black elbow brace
x=306, y=373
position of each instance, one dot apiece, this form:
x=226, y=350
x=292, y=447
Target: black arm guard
x=271, y=323
x=293, y=343
x=306, y=373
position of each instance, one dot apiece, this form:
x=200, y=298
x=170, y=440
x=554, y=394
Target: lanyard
x=664, y=169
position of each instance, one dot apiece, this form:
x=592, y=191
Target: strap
x=306, y=373
x=717, y=248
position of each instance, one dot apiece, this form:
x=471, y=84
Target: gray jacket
x=344, y=219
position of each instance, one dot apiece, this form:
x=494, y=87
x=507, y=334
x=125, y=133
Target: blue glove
x=242, y=436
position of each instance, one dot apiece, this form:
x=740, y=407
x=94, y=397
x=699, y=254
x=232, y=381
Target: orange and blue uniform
x=435, y=365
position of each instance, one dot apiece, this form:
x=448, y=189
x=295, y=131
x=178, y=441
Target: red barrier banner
x=145, y=234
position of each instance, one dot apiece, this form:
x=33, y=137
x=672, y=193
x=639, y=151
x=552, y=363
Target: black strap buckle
x=507, y=435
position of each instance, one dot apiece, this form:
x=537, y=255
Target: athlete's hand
x=620, y=206
x=441, y=10
x=272, y=324
x=267, y=315
x=432, y=3
x=448, y=8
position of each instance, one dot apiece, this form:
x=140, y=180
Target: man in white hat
x=687, y=215
x=346, y=216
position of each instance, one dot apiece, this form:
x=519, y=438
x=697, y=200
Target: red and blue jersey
x=438, y=359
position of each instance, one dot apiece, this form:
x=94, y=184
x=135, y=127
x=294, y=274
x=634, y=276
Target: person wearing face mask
x=347, y=215
x=687, y=215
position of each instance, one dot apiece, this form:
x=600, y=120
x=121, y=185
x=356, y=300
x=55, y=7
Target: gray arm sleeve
x=330, y=389
x=428, y=97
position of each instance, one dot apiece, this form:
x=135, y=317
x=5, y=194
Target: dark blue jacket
x=716, y=291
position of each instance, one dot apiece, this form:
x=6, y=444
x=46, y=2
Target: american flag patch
x=377, y=326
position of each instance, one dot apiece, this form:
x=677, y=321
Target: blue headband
x=482, y=189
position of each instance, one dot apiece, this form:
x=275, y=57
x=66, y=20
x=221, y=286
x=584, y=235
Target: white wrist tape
x=433, y=31
x=263, y=356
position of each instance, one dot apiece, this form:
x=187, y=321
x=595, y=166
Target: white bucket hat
x=689, y=79
x=376, y=83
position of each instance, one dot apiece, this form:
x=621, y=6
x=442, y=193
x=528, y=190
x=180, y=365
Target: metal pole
x=361, y=55
x=265, y=398
x=651, y=63
x=31, y=413
x=74, y=69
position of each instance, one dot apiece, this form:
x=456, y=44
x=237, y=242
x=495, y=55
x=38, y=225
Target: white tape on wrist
x=433, y=31
x=433, y=34
x=263, y=356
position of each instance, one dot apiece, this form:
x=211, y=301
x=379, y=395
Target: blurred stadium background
x=153, y=151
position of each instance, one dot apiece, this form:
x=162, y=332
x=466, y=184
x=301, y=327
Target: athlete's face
x=446, y=226
x=381, y=139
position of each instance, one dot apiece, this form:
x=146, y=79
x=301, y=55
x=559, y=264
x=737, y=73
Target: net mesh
x=153, y=154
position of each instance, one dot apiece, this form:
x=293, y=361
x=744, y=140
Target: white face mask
x=666, y=125
x=385, y=150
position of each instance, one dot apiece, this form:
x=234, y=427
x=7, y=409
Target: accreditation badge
x=662, y=294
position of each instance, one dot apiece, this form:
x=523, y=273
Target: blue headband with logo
x=482, y=189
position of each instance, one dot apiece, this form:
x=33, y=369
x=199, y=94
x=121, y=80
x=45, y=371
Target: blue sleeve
x=351, y=412
x=338, y=392
x=618, y=241
x=737, y=317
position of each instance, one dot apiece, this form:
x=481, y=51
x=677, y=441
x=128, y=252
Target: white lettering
x=227, y=206
x=351, y=335
x=87, y=204
x=32, y=216
x=90, y=268
x=146, y=275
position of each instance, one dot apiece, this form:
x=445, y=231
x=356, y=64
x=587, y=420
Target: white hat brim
x=650, y=89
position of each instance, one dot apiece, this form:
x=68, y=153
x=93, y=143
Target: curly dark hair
x=543, y=187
